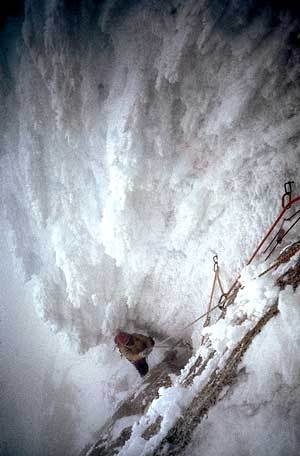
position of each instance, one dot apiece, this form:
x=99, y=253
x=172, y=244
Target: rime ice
x=136, y=142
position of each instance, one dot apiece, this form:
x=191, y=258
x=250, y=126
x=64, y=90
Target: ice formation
x=261, y=390
x=137, y=140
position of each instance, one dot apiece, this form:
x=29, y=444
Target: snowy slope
x=267, y=379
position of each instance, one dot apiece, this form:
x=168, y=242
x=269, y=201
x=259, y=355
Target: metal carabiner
x=288, y=193
x=221, y=304
x=216, y=265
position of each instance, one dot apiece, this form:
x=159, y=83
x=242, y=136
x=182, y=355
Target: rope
x=216, y=270
x=280, y=233
x=281, y=214
x=220, y=284
x=227, y=297
x=215, y=281
x=188, y=326
x=283, y=257
x=209, y=309
x=211, y=298
x=161, y=346
x=283, y=236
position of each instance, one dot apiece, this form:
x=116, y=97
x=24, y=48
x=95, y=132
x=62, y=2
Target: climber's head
x=122, y=338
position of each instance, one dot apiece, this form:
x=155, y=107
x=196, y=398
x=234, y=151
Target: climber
x=135, y=347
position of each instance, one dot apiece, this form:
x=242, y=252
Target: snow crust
x=261, y=413
x=255, y=298
x=137, y=142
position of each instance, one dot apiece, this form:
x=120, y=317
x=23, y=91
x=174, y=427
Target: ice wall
x=52, y=399
x=138, y=139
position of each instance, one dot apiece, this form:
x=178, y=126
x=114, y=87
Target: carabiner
x=287, y=194
x=221, y=304
x=216, y=265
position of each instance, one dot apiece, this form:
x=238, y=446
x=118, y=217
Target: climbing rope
x=281, y=234
x=287, y=206
x=283, y=257
x=216, y=281
x=210, y=308
x=188, y=326
x=228, y=298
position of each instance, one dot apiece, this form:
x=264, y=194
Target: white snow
x=136, y=143
x=261, y=413
x=122, y=424
x=255, y=298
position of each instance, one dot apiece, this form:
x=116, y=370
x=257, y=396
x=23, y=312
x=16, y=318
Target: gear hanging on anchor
x=216, y=281
x=288, y=193
x=286, y=202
